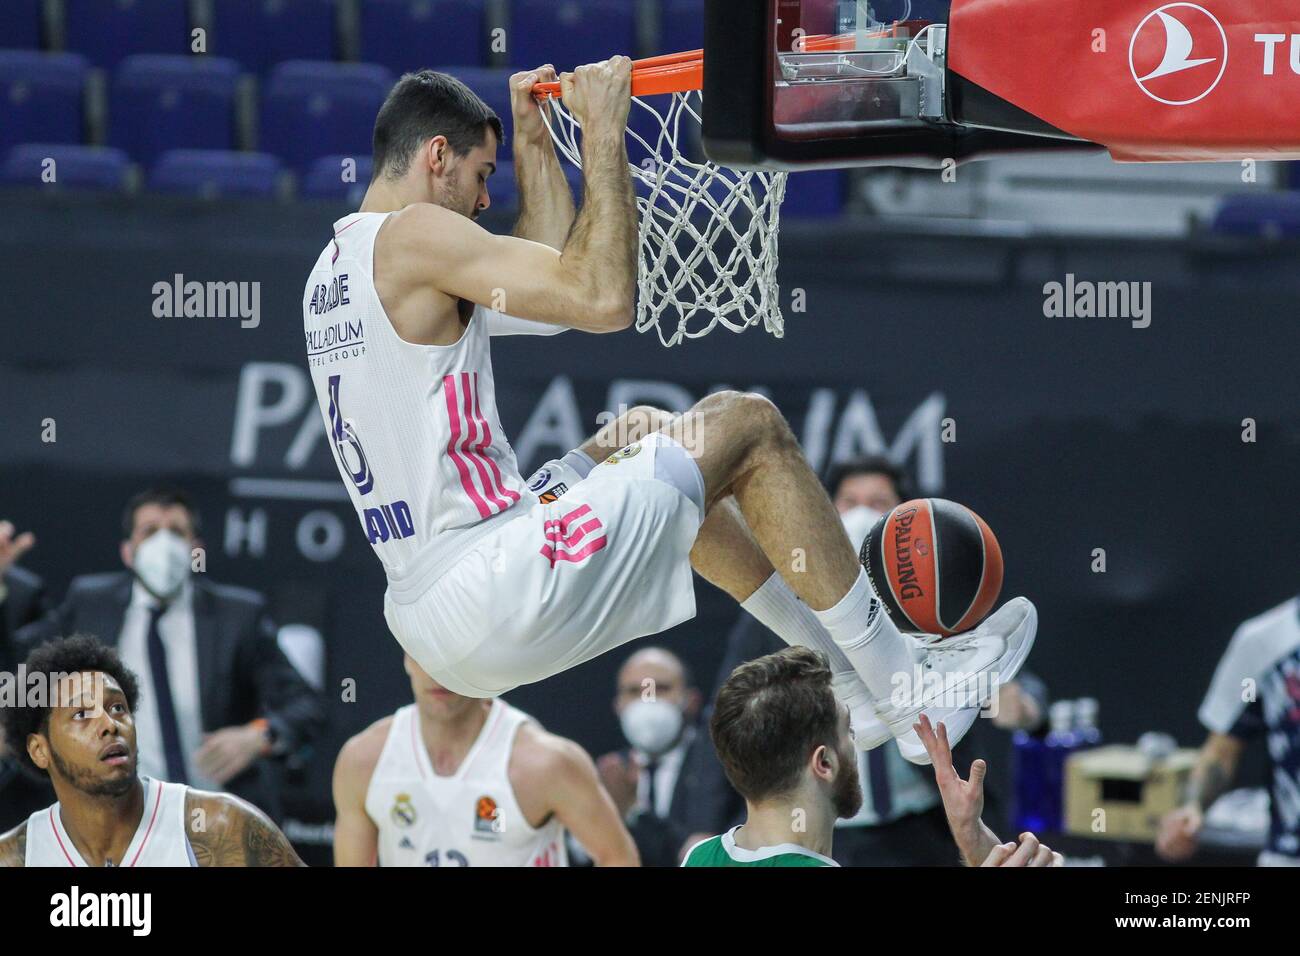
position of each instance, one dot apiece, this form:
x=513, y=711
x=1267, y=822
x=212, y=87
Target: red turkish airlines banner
x=1150, y=81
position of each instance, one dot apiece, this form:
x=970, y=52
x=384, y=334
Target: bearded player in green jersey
x=786, y=745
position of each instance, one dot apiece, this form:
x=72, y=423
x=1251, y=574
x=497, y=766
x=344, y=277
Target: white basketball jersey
x=470, y=818
x=413, y=428
x=161, y=838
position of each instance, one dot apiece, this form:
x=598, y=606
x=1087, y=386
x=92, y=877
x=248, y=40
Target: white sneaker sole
x=957, y=721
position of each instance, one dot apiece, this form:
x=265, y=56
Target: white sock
x=778, y=608
x=869, y=639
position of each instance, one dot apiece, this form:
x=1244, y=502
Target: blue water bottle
x=1027, y=764
x=1060, y=742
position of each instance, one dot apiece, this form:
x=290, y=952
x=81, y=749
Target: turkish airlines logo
x=1178, y=54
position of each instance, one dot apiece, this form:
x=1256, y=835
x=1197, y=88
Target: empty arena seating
x=1273, y=215
x=20, y=24
x=314, y=108
x=406, y=35
x=261, y=33
x=325, y=178
x=106, y=31
x=164, y=102
x=216, y=173
x=59, y=166
x=492, y=86
x=43, y=96
x=569, y=32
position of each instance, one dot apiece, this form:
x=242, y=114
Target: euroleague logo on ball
x=1178, y=54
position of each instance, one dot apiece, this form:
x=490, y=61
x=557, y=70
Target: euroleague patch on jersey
x=553, y=494
x=540, y=479
x=403, y=812
x=487, y=819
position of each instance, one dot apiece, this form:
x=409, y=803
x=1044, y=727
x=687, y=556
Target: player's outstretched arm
x=553, y=775
x=227, y=831
x=356, y=838
x=13, y=847
x=546, y=209
x=963, y=803
x=591, y=283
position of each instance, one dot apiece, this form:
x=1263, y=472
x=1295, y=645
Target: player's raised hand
x=12, y=548
x=527, y=109
x=599, y=95
x=963, y=800
x=1029, y=852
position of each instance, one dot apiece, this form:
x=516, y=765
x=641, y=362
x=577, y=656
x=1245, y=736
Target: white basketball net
x=708, y=235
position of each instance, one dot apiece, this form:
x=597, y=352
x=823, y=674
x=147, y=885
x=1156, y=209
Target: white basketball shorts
x=564, y=581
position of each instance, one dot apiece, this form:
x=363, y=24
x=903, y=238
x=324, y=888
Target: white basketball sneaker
x=955, y=677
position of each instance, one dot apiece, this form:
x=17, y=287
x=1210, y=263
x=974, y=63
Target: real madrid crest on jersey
x=487, y=819
x=403, y=812
x=631, y=451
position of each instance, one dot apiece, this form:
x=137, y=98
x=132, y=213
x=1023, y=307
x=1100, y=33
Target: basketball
x=935, y=564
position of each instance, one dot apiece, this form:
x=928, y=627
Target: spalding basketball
x=935, y=565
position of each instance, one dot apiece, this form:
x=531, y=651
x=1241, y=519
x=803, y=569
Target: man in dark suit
x=663, y=784
x=22, y=600
x=218, y=695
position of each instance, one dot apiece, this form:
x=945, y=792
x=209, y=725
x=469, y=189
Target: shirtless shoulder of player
x=224, y=830
x=13, y=846
x=356, y=841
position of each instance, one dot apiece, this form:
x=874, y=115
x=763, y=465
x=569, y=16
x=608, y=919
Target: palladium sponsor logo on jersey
x=179, y=299
x=130, y=910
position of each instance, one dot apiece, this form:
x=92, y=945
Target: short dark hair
x=770, y=715
x=424, y=105
x=77, y=654
x=159, y=495
x=871, y=465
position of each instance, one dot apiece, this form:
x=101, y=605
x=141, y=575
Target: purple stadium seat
x=164, y=102
x=20, y=24
x=312, y=109
x=324, y=180
x=1273, y=215
x=210, y=173
x=493, y=88
x=75, y=167
x=42, y=97
x=569, y=33
x=261, y=33
x=106, y=31
x=406, y=35
x=681, y=26
x=814, y=194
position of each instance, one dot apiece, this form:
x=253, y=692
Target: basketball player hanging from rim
x=494, y=582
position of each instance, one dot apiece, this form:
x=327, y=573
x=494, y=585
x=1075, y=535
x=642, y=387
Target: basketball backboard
x=797, y=84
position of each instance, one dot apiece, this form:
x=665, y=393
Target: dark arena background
x=1140, y=471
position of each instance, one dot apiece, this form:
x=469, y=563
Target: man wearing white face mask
x=657, y=783
x=218, y=695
